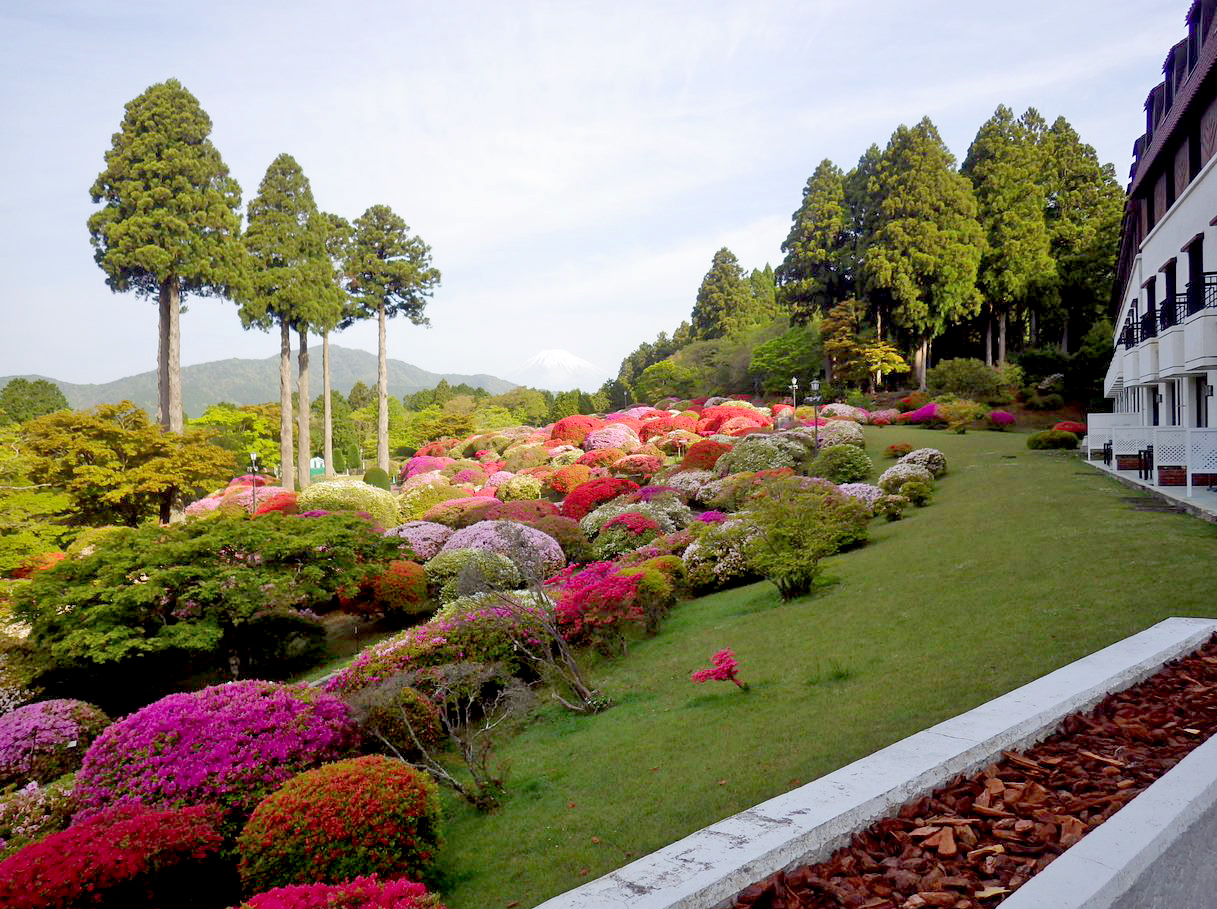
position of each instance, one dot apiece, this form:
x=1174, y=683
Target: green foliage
x=856, y=353
x=722, y=294
x=1052, y=439
x=816, y=272
x=170, y=211
x=374, y=476
x=33, y=518
x=794, y=353
x=158, y=606
x=958, y=415
x=254, y=427
x=116, y=467
x=842, y=464
x=800, y=524
x=966, y=378
x=667, y=378
x=460, y=572
x=361, y=396
x=23, y=399
x=918, y=492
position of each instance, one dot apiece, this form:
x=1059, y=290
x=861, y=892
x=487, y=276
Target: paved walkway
x=1202, y=503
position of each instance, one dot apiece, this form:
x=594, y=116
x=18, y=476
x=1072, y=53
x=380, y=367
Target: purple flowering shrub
x=425, y=537
x=228, y=745
x=357, y=893
x=505, y=538
x=45, y=740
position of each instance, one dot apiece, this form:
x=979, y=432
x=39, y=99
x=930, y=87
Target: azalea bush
x=416, y=502
x=842, y=464
x=840, y=432
x=598, y=602
x=724, y=668
x=455, y=572
x=349, y=494
x=366, y=815
x=34, y=812
x=766, y=451
x=127, y=855
x=44, y=740
x=892, y=479
x=1052, y=438
x=227, y=746
x=584, y=498
x=424, y=538
x=931, y=459
x=625, y=533
x=1000, y=419
x=506, y=538
x=718, y=557
x=357, y=893
x=401, y=589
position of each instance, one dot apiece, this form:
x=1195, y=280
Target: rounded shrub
x=840, y=432
x=44, y=740
x=367, y=815
x=524, y=546
x=416, y=502
x=520, y=487
x=376, y=476
x=842, y=464
x=917, y=491
x=765, y=451
x=350, y=495
x=965, y=378
x=358, y=893
x=401, y=589
x=898, y=449
x=892, y=479
x=228, y=745
x=595, y=492
x=402, y=717
x=34, y=812
x=126, y=855
x=1052, y=438
x=931, y=459
x=455, y=572
x=423, y=537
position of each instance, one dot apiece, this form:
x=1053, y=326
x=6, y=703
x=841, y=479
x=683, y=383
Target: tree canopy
x=816, y=270
x=24, y=399
x=169, y=222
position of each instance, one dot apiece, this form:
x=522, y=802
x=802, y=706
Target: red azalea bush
x=584, y=498
x=127, y=855
x=401, y=589
x=359, y=893
x=639, y=466
x=574, y=429
x=438, y=448
x=461, y=512
x=367, y=815
x=898, y=449
x=741, y=426
x=227, y=745
x=600, y=457
x=284, y=502
x=596, y=602
x=725, y=669
x=523, y=511
x=704, y=455
x=1073, y=426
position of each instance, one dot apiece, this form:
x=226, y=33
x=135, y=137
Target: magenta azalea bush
x=42, y=741
x=426, y=538
x=228, y=745
x=357, y=893
x=1001, y=419
x=725, y=668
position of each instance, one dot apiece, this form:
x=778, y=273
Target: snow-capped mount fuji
x=560, y=370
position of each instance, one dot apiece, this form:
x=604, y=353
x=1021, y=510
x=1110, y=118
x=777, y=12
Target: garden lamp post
x=814, y=397
x=253, y=472
x=794, y=392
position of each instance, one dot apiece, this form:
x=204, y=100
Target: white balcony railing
x=1193, y=449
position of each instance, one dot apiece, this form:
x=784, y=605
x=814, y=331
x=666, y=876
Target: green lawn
x=1024, y=561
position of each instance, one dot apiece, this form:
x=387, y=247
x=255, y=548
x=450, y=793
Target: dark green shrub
x=1052, y=438
x=403, y=720
x=917, y=491
x=1037, y=401
x=375, y=476
x=842, y=464
x=458, y=572
x=367, y=815
x=966, y=377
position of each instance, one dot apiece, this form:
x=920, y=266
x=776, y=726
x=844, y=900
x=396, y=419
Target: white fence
x=1193, y=449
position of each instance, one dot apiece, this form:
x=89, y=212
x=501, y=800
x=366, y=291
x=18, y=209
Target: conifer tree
x=390, y=274
x=337, y=239
x=292, y=285
x=926, y=250
x=169, y=223
x=723, y=293
x=815, y=273
x=1005, y=165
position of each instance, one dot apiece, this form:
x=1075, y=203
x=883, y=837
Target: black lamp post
x=814, y=397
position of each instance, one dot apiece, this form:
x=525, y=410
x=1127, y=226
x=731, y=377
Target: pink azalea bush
x=228, y=745
x=614, y=435
x=1001, y=419
x=426, y=538
x=44, y=740
x=357, y=893
x=506, y=538
x=725, y=669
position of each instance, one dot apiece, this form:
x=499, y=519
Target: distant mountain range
x=238, y=381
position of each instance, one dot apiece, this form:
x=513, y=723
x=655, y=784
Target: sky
x=572, y=165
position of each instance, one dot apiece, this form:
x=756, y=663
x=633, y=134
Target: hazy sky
x=573, y=165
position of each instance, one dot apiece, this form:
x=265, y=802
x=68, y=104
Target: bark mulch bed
x=971, y=843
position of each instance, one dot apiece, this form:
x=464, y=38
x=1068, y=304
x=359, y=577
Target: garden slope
x=1021, y=564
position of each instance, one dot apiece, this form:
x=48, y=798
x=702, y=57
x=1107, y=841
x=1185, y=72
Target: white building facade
x=1164, y=363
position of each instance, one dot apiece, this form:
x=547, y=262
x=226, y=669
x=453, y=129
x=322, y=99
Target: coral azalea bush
x=367, y=815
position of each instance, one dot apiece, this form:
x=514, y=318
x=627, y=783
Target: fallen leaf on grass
x=584, y=872
x=596, y=840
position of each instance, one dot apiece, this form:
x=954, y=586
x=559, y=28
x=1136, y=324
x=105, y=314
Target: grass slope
x=1024, y=561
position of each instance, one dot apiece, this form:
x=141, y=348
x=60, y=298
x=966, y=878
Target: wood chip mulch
x=971, y=843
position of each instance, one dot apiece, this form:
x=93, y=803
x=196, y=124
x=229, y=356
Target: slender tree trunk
x=304, y=441
x=1001, y=338
x=989, y=338
x=1034, y=330
x=382, y=393
x=1065, y=335
x=878, y=379
x=286, y=469
x=327, y=431
x=168, y=358
x=919, y=358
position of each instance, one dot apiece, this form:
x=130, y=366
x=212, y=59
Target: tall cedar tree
x=337, y=239
x=815, y=274
x=1005, y=165
x=169, y=223
x=292, y=285
x=1084, y=206
x=390, y=274
x=926, y=250
x=723, y=293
